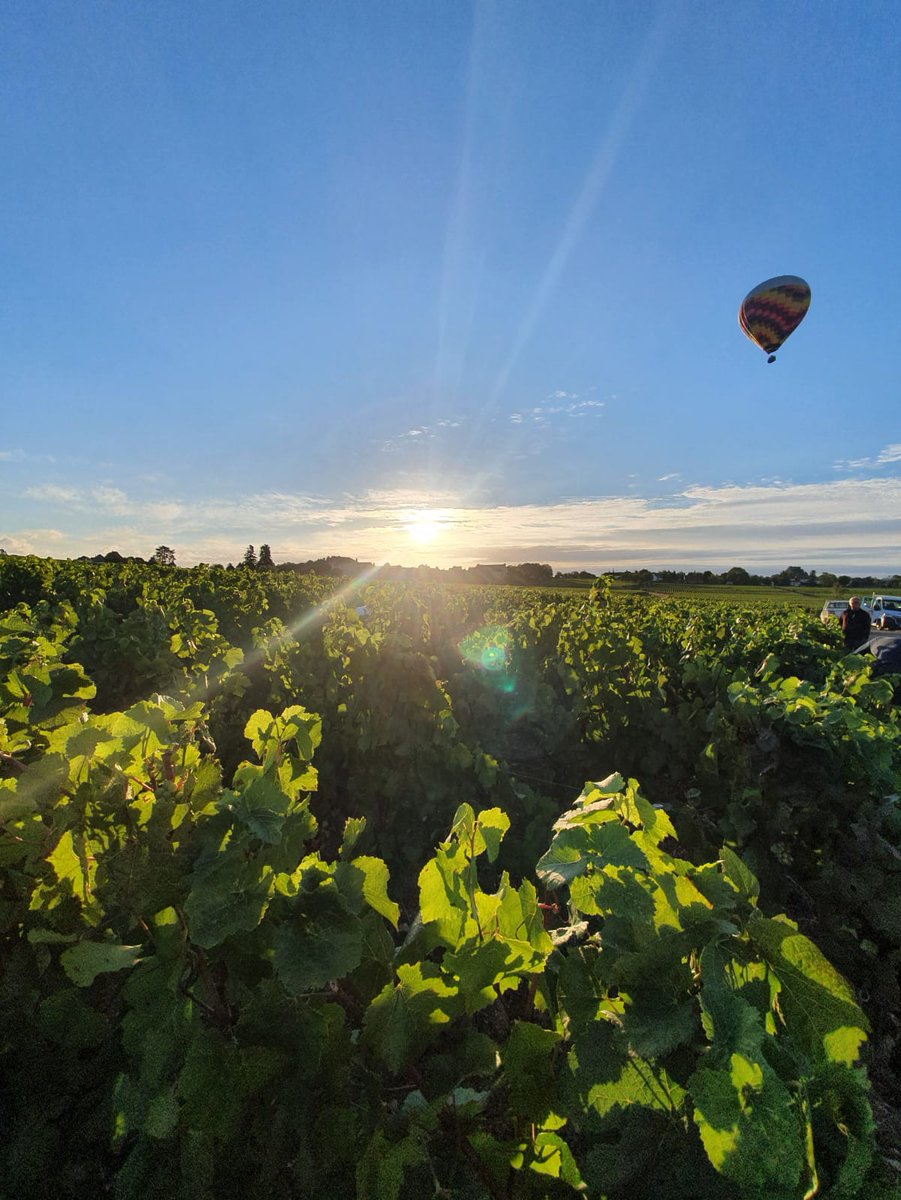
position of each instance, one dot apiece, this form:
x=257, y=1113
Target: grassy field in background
x=807, y=597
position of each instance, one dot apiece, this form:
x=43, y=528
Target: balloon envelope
x=773, y=310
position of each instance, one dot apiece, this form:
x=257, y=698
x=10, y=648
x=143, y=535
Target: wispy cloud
x=890, y=454
x=53, y=494
x=558, y=404
x=667, y=478
x=36, y=541
x=419, y=434
x=22, y=456
x=111, y=501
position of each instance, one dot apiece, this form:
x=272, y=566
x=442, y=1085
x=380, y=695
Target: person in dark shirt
x=855, y=625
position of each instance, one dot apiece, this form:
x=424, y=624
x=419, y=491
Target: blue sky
x=448, y=282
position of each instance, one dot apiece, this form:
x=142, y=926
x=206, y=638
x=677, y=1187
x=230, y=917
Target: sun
x=425, y=527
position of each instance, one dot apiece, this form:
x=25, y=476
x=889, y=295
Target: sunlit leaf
x=86, y=960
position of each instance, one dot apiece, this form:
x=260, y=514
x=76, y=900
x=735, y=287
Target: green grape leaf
x=233, y=657
x=443, y=897
x=744, y=879
x=259, y=731
x=353, y=831
x=303, y=727
x=405, y=1017
x=529, y=1070
x=550, y=1155
x=86, y=960
x=365, y=879
x=69, y=865
x=67, y=1020
x=13, y=807
x=480, y=966
x=732, y=1025
x=260, y=803
x=380, y=1172
x=42, y=781
x=817, y=1002
x=749, y=1126
x=520, y=919
x=162, y=1114
x=204, y=784
x=567, y=857
x=87, y=739
x=605, y=1076
x=492, y=824
x=320, y=942
x=463, y=825
x=599, y=812
x=228, y=894
x=615, y=847
x=211, y=1085
x=49, y=937
x=617, y=891
x=659, y=1022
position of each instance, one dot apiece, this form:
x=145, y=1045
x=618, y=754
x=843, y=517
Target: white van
x=885, y=611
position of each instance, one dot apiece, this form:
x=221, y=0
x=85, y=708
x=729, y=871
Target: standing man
x=855, y=625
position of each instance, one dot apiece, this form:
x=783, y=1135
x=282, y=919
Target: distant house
x=490, y=572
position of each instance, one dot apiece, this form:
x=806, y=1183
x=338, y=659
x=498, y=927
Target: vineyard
x=394, y=892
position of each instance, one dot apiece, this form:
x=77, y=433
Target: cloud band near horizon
x=847, y=526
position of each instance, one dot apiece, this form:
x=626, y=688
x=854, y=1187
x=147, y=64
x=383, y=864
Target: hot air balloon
x=773, y=310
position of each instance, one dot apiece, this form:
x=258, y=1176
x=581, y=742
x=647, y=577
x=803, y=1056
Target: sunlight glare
x=425, y=526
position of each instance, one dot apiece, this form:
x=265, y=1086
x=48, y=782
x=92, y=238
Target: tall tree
x=265, y=563
x=164, y=556
x=737, y=575
x=250, y=558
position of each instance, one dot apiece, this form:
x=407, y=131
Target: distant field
x=807, y=597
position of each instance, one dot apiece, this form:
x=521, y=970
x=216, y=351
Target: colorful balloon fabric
x=773, y=310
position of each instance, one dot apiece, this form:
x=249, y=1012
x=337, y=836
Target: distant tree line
x=530, y=574
x=738, y=576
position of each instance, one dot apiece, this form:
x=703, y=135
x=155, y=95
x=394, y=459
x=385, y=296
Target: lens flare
x=491, y=650
x=493, y=658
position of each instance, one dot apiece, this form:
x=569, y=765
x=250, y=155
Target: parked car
x=885, y=611
x=832, y=610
